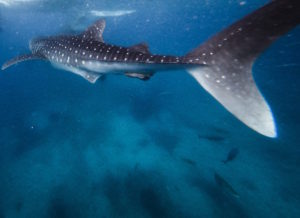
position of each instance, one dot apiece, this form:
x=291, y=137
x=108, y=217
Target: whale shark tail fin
x=21, y=58
x=229, y=57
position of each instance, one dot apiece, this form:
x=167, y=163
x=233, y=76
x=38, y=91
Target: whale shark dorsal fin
x=141, y=47
x=95, y=31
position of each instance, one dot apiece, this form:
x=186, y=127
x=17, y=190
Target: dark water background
x=128, y=148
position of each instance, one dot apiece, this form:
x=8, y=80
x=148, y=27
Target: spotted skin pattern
x=75, y=51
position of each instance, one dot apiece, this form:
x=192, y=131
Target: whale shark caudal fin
x=21, y=58
x=229, y=57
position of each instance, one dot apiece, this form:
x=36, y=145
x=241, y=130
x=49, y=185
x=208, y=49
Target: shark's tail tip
x=260, y=118
x=270, y=134
x=268, y=129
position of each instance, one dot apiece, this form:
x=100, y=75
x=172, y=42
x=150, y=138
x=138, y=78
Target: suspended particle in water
x=242, y=3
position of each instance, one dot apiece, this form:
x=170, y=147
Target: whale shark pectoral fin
x=89, y=76
x=141, y=47
x=95, y=31
x=141, y=76
x=21, y=58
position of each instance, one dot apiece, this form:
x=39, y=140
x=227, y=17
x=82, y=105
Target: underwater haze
x=123, y=147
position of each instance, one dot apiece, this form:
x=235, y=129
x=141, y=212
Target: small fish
x=165, y=93
x=231, y=155
x=19, y=206
x=188, y=161
x=136, y=166
x=225, y=186
x=215, y=138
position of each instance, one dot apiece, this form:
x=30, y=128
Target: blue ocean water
x=128, y=148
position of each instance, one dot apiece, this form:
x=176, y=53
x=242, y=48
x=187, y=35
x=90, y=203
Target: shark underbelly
x=121, y=67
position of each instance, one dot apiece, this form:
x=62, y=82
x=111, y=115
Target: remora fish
x=225, y=186
x=231, y=155
x=222, y=65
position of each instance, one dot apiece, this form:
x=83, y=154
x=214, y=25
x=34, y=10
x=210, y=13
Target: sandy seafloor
x=128, y=148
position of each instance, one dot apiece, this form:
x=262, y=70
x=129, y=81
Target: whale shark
x=222, y=65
